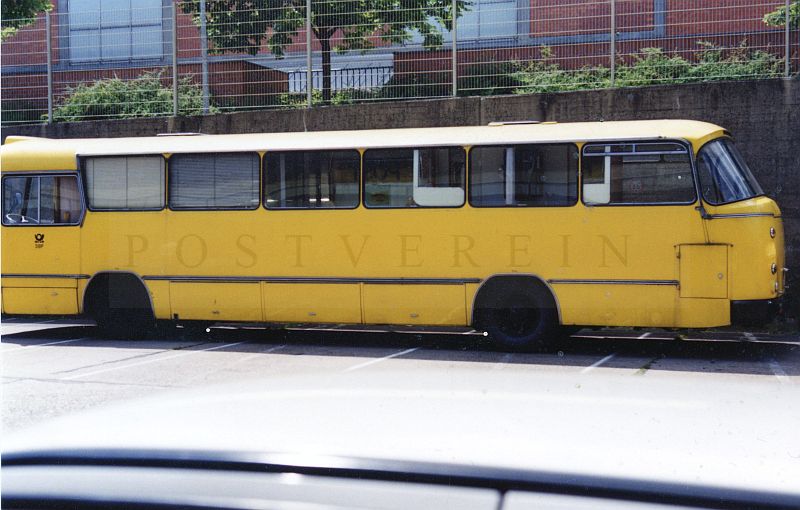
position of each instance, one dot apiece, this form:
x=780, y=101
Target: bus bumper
x=755, y=312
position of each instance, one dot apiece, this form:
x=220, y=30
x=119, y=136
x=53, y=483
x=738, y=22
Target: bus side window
x=439, y=177
x=637, y=173
x=533, y=175
x=41, y=200
x=214, y=180
x=125, y=182
x=425, y=177
x=596, y=180
x=311, y=179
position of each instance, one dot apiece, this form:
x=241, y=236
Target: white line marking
x=35, y=346
x=777, y=369
x=378, y=360
x=259, y=353
x=645, y=335
x=598, y=363
x=148, y=361
x=750, y=337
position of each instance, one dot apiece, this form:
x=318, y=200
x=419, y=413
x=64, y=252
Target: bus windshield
x=724, y=175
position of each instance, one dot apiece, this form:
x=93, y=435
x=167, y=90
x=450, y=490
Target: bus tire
x=518, y=313
x=120, y=305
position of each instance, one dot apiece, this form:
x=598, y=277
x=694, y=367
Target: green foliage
x=489, y=79
x=410, y=85
x=543, y=76
x=20, y=13
x=339, y=97
x=777, y=18
x=145, y=96
x=651, y=67
x=242, y=25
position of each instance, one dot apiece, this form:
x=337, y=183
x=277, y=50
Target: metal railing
x=197, y=56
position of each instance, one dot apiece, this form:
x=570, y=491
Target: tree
x=20, y=13
x=777, y=18
x=340, y=25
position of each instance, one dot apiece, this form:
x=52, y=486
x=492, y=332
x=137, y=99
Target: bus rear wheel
x=520, y=321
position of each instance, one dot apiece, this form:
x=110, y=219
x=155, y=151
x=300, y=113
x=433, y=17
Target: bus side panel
x=216, y=301
x=40, y=300
x=443, y=305
x=309, y=302
x=637, y=305
x=40, y=250
x=159, y=296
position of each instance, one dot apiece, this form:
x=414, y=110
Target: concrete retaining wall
x=764, y=117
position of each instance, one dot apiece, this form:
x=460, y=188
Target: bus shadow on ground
x=581, y=350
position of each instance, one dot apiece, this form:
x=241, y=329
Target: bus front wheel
x=519, y=319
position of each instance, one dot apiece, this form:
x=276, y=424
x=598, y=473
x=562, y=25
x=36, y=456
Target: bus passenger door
x=41, y=244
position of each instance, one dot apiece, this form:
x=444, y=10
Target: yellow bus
x=510, y=228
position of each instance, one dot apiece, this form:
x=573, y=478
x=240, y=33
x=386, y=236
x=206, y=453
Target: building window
x=115, y=30
x=488, y=19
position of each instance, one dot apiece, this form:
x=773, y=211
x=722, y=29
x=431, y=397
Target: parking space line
x=777, y=369
x=598, y=363
x=378, y=360
x=147, y=362
x=36, y=346
x=259, y=353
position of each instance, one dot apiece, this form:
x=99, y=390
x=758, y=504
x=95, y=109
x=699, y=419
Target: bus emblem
x=38, y=240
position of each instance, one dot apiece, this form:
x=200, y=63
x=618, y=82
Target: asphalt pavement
x=52, y=367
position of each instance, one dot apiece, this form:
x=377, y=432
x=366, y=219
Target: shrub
x=411, y=85
x=489, y=79
x=145, y=96
x=338, y=97
x=652, y=66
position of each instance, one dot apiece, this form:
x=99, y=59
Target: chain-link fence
x=92, y=59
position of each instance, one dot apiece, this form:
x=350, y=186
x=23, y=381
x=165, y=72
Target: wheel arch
x=131, y=284
x=489, y=286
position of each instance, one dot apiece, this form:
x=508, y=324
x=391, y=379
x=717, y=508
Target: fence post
x=204, y=50
x=48, y=32
x=309, y=70
x=788, y=49
x=175, y=59
x=613, y=51
x=454, y=48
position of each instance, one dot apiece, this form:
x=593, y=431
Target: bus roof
x=27, y=153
